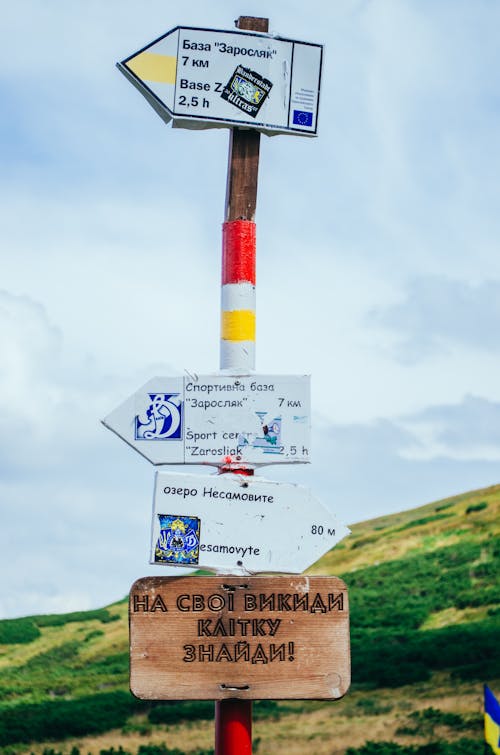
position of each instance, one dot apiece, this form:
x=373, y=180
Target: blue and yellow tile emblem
x=179, y=540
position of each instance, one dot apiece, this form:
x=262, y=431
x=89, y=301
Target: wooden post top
x=252, y=23
x=244, y=146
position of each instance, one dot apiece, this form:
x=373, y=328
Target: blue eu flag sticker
x=302, y=118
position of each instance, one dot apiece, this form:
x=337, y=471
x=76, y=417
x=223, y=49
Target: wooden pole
x=244, y=144
x=233, y=718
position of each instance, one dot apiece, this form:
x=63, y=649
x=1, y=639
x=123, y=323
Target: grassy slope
x=439, y=566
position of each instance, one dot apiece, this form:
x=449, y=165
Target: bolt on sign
x=213, y=638
x=216, y=419
x=207, y=78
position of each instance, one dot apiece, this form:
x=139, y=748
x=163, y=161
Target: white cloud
x=439, y=313
x=465, y=432
x=75, y=506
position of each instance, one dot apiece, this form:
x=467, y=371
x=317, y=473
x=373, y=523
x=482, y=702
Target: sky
x=378, y=269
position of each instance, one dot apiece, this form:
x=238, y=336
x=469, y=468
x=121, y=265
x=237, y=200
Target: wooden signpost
x=214, y=638
x=233, y=639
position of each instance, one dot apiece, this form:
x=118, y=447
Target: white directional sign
x=215, y=419
x=205, y=78
x=239, y=524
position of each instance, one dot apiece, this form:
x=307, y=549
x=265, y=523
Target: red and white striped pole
x=233, y=718
x=237, y=348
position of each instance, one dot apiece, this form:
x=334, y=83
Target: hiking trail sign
x=261, y=638
x=207, y=78
x=239, y=524
x=233, y=638
x=218, y=419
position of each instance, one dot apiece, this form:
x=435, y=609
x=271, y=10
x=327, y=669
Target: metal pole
x=233, y=718
x=233, y=727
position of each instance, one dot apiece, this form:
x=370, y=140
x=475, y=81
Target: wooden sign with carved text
x=254, y=638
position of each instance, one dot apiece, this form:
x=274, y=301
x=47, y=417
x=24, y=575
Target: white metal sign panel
x=239, y=524
x=216, y=419
x=206, y=78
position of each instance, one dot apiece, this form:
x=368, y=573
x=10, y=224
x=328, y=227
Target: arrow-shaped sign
x=218, y=419
x=206, y=78
x=239, y=524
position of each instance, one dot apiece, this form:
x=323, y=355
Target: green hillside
x=425, y=607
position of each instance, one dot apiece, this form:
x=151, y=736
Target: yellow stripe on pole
x=150, y=66
x=238, y=325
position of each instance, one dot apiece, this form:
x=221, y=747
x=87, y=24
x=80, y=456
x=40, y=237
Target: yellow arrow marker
x=150, y=66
